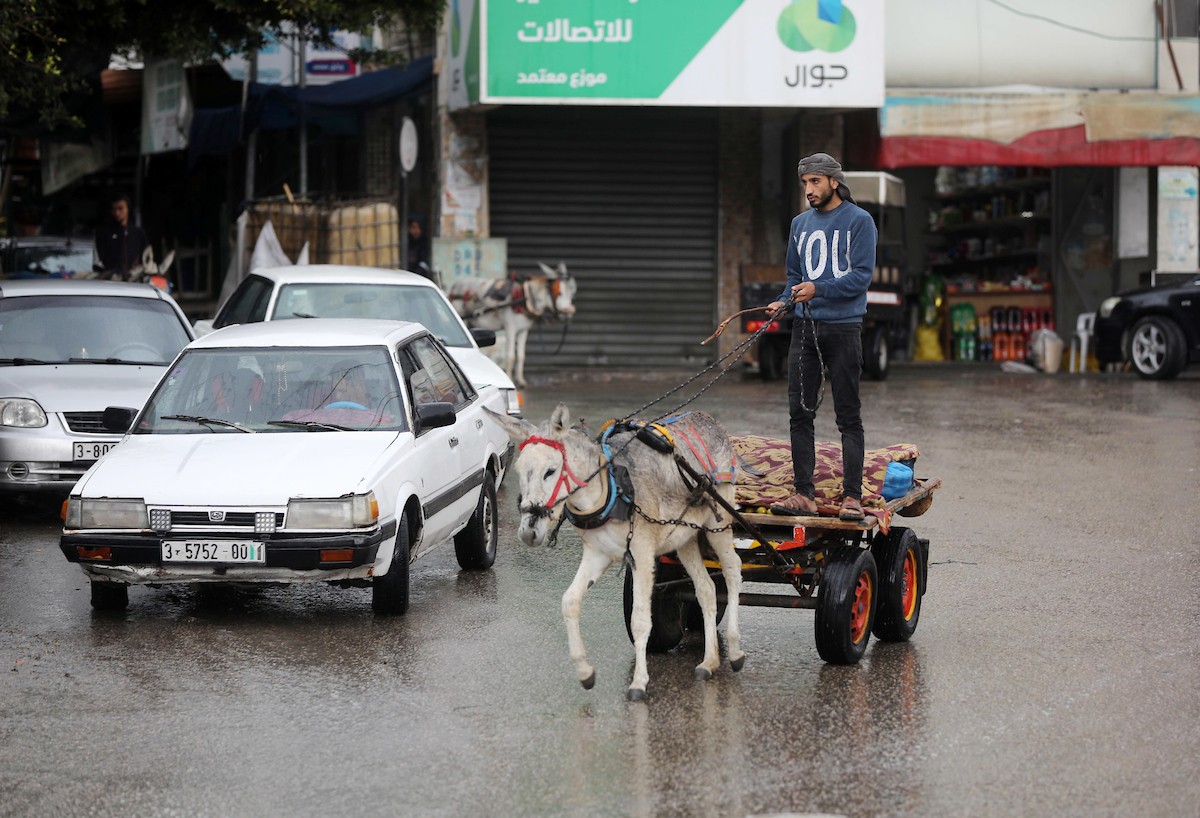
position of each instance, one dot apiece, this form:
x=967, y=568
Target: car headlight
x=87, y=513
x=1108, y=305
x=355, y=511
x=512, y=401
x=21, y=412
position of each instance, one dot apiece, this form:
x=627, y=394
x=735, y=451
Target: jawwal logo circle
x=823, y=25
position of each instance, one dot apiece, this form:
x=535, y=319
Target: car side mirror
x=435, y=415
x=118, y=418
x=484, y=337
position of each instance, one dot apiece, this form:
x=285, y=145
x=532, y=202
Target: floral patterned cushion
x=772, y=459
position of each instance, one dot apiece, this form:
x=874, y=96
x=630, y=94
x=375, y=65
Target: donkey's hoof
x=589, y=682
x=738, y=663
x=635, y=694
x=703, y=674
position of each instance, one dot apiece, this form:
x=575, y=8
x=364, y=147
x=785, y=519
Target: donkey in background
x=562, y=471
x=513, y=307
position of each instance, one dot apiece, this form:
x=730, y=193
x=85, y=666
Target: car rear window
x=398, y=302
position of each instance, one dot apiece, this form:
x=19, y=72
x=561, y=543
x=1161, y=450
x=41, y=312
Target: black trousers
x=841, y=349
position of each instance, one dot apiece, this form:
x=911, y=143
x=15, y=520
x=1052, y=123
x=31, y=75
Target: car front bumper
x=136, y=558
x=42, y=459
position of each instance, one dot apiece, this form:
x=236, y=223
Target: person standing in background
x=119, y=244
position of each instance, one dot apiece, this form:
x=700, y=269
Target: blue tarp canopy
x=336, y=107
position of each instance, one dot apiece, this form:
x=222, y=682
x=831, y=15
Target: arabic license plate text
x=92, y=450
x=213, y=551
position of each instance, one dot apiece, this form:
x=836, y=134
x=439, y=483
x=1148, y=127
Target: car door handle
x=453, y=442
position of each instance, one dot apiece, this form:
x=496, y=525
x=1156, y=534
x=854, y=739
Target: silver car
x=68, y=350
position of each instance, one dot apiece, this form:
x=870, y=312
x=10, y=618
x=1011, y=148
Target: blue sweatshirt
x=835, y=250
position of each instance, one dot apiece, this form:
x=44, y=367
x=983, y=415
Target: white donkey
x=513, y=307
x=561, y=470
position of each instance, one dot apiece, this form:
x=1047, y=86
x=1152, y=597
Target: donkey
x=652, y=511
x=514, y=307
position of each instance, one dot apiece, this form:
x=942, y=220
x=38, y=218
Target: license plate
x=91, y=451
x=213, y=551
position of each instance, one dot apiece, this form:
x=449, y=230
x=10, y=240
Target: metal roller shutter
x=628, y=199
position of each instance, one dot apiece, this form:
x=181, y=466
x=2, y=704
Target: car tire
x=389, y=593
x=666, y=616
x=773, y=357
x=876, y=354
x=899, y=559
x=1157, y=348
x=475, y=545
x=110, y=596
x=846, y=605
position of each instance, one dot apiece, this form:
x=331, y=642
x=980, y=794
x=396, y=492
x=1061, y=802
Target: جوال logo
x=820, y=25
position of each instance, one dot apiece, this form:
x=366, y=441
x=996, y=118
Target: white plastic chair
x=1085, y=325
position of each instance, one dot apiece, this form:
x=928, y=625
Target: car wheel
x=899, y=557
x=846, y=605
x=1157, y=348
x=475, y=545
x=876, y=354
x=772, y=357
x=389, y=593
x=110, y=596
x=666, y=617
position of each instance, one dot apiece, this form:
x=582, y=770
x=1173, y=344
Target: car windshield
x=277, y=389
x=394, y=302
x=89, y=329
x=69, y=259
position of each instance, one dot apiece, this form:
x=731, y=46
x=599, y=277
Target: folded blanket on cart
x=771, y=458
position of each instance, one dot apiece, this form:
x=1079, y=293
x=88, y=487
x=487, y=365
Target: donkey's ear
x=560, y=421
x=518, y=429
x=546, y=269
x=562, y=269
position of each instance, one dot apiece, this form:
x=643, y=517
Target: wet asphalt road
x=1054, y=671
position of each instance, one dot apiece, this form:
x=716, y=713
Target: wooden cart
x=859, y=578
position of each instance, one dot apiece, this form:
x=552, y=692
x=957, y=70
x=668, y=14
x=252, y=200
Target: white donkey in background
x=561, y=470
x=513, y=307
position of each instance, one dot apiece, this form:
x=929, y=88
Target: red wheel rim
x=860, y=611
x=908, y=594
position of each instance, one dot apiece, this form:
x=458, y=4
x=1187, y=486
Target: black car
x=1157, y=329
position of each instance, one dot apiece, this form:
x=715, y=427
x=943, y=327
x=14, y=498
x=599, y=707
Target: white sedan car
x=68, y=349
x=345, y=291
x=294, y=451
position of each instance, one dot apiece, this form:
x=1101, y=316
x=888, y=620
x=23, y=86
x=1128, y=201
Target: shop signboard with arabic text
x=789, y=53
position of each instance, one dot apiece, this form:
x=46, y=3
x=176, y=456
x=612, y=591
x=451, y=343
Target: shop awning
x=1040, y=128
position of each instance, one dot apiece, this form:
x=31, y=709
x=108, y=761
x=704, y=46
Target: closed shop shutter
x=628, y=199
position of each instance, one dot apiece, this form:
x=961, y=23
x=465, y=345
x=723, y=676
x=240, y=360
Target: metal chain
x=806, y=313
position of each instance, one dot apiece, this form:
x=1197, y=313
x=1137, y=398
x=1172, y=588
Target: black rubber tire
x=837, y=605
x=876, y=354
x=475, y=545
x=900, y=560
x=1157, y=348
x=389, y=593
x=666, y=617
x=110, y=596
x=773, y=356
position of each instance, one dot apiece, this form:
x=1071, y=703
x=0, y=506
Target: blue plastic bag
x=898, y=481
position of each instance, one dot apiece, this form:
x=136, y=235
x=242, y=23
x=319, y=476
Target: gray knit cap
x=825, y=165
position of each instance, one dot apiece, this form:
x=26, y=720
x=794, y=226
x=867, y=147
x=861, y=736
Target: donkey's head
x=562, y=289
x=553, y=461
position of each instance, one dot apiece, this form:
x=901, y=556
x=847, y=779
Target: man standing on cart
x=830, y=262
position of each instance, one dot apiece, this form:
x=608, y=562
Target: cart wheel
x=666, y=617
x=899, y=557
x=846, y=605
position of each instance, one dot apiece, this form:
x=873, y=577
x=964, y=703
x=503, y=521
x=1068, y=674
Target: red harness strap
x=565, y=476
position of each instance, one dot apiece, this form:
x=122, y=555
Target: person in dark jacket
x=119, y=244
x=420, y=258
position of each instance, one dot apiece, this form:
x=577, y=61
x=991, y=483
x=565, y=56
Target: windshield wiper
x=209, y=421
x=25, y=361
x=311, y=425
x=125, y=361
